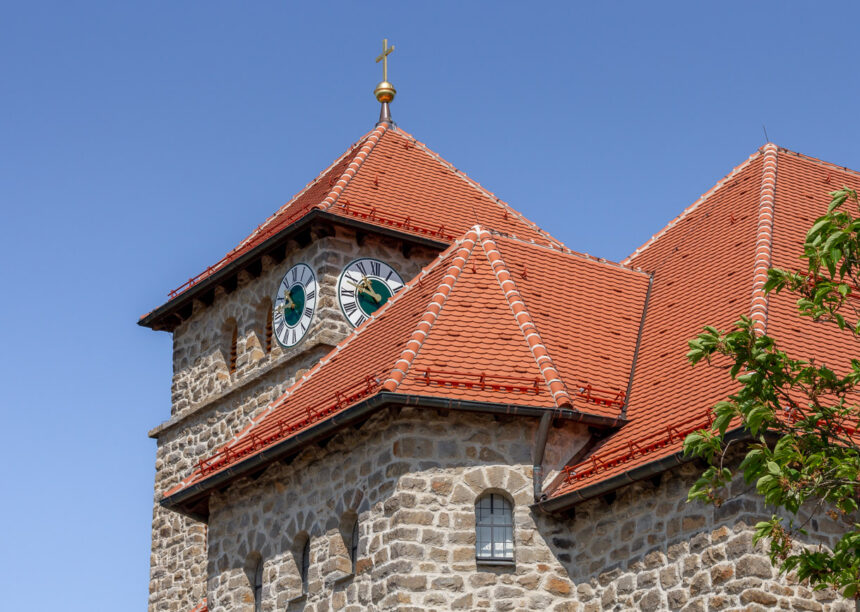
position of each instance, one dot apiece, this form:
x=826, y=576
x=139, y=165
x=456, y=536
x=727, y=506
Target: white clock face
x=294, y=305
x=364, y=286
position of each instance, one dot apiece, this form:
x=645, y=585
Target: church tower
x=398, y=393
x=248, y=326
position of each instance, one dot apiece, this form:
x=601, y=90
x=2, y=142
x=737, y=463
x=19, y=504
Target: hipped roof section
x=481, y=323
x=708, y=267
x=387, y=180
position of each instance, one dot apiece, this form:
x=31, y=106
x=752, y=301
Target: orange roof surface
x=480, y=323
x=708, y=266
x=388, y=179
x=511, y=317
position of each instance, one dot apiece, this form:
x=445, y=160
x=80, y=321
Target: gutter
x=537, y=454
x=183, y=500
x=642, y=472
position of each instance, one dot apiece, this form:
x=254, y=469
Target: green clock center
x=367, y=300
x=294, y=306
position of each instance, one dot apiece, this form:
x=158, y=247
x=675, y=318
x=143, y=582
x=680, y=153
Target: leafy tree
x=802, y=416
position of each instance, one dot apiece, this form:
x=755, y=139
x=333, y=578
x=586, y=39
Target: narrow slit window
x=494, y=537
x=258, y=586
x=353, y=545
x=234, y=349
x=268, y=331
x=306, y=563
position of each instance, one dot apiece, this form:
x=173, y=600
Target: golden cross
x=386, y=51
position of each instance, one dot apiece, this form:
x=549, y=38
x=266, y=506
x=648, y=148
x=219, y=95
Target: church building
x=398, y=393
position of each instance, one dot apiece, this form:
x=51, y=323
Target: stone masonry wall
x=412, y=477
x=209, y=404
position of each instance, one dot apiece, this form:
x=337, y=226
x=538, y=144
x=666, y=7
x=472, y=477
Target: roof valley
x=629, y=390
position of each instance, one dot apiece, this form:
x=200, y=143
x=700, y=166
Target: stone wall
x=201, y=345
x=413, y=476
x=209, y=403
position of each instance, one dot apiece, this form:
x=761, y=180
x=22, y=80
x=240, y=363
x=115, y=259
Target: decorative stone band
x=524, y=320
x=764, y=239
x=353, y=166
x=433, y=309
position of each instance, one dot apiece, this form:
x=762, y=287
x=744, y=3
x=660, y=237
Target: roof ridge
x=564, y=250
x=353, y=167
x=413, y=345
x=524, y=320
x=815, y=160
x=702, y=199
x=764, y=238
x=489, y=194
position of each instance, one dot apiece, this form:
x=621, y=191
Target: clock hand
x=368, y=288
x=288, y=301
x=364, y=287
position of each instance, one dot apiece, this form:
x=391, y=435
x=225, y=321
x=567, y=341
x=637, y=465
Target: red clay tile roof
x=480, y=323
x=708, y=267
x=388, y=179
x=525, y=321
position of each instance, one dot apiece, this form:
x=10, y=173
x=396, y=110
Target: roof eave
x=568, y=500
x=160, y=314
x=191, y=500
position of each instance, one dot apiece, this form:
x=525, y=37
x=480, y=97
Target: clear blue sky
x=140, y=141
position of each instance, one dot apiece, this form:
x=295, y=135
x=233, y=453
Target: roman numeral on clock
x=349, y=308
x=375, y=268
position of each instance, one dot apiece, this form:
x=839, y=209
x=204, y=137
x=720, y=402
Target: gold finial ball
x=385, y=92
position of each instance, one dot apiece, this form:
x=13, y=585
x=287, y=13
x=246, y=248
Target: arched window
x=353, y=545
x=305, y=563
x=494, y=526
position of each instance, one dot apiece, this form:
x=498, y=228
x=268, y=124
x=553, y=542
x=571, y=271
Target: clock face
x=364, y=286
x=294, y=305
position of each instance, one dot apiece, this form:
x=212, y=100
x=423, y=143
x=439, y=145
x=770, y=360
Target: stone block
x=676, y=598
x=758, y=596
x=557, y=586
x=651, y=600
x=754, y=565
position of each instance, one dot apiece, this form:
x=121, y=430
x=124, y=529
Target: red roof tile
x=480, y=324
x=389, y=179
x=524, y=321
x=708, y=266
x=201, y=607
